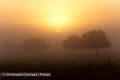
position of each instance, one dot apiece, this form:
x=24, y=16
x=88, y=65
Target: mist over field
x=24, y=20
x=71, y=39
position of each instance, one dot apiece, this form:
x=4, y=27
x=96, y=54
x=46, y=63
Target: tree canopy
x=94, y=39
x=72, y=42
x=34, y=44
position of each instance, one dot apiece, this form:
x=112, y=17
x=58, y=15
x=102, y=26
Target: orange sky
x=21, y=19
x=59, y=15
x=58, y=12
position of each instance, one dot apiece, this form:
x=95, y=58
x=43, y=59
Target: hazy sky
x=52, y=18
x=58, y=12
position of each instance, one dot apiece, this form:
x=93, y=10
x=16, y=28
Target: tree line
x=93, y=40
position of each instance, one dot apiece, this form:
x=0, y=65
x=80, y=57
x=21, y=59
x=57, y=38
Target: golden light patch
x=59, y=30
x=58, y=21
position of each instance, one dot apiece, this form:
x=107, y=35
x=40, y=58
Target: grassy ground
x=60, y=71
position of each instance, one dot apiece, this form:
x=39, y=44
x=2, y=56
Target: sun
x=57, y=17
x=58, y=21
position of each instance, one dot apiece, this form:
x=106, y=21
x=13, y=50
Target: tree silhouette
x=34, y=45
x=8, y=47
x=72, y=43
x=95, y=39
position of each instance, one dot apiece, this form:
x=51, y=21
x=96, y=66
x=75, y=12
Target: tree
x=72, y=43
x=95, y=39
x=34, y=45
x=8, y=47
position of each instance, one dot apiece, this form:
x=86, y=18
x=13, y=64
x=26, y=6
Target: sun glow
x=58, y=21
x=58, y=30
x=57, y=17
x=54, y=14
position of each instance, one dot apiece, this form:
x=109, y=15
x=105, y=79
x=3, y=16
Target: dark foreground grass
x=65, y=72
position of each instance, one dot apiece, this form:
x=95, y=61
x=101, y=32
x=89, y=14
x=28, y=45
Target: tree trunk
x=98, y=56
x=96, y=51
x=72, y=50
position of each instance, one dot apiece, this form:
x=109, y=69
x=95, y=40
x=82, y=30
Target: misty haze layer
x=20, y=20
